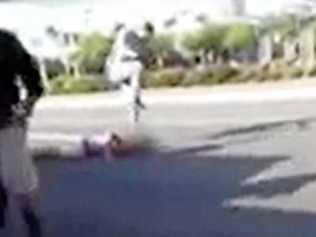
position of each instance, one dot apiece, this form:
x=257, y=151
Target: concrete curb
x=188, y=96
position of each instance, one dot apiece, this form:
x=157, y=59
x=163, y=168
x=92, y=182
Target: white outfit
x=124, y=68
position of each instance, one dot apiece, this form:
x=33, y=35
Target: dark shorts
x=126, y=81
x=117, y=85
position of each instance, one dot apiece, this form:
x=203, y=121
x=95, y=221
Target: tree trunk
x=76, y=71
x=204, y=59
x=44, y=76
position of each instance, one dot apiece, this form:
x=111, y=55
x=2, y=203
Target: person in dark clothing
x=18, y=176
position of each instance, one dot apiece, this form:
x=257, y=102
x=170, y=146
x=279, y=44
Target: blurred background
x=201, y=42
x=227, y=161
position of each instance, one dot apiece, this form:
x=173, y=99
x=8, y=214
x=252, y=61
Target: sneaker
x=140, y=104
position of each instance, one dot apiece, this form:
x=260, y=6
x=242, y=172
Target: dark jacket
x=15, y=63
x=140, y=45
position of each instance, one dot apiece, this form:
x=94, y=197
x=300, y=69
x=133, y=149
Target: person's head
x=149, y=29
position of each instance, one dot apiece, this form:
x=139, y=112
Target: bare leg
x=136, y=90
x=128, y=74
x=19, y=175
x=133, y=110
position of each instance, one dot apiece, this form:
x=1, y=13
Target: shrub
x=269, y=73
x=217, y=75
x=92, y=52
x=209, y=37
x=164, y=78
x=66, y=84
x=211, y=76
x=239, y=36
x=173, y=78
x=312, y=72
x=225, y=74
x=295, y=72
x=54, y=68
x=275, y=74
x=245, y=76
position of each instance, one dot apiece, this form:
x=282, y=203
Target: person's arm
x=28, y=70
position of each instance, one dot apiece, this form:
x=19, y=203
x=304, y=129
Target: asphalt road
x=228, y=170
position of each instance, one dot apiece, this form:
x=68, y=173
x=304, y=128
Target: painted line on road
x=65, y=137
x=56, y=137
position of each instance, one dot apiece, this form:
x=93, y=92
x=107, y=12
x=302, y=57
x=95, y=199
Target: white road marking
x=67, y=137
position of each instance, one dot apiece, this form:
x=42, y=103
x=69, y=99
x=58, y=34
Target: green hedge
x=312, y=72
x=66, y=84
x=163, y=78
x=178, y=77
x=182, y=78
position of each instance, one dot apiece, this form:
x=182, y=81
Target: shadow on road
x=263, y=127
x=260, y=131
x=168, y=193
x=284, y=186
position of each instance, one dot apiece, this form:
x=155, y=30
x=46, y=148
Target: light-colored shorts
x=120, y=71
x=17, y=170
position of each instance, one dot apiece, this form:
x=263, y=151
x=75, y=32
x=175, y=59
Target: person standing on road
x=18, y=175
x=129, y=56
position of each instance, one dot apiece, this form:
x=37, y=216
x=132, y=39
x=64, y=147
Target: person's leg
x=127, y=74
x=135, y=83
x=3, y=191
x=28, y=206
x=20, y=177
x=137, y=104
x=132, y=107
x=3, y=205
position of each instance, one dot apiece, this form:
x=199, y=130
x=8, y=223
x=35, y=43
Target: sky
x=254, y=6
x=30, y=17
x=72, y=13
